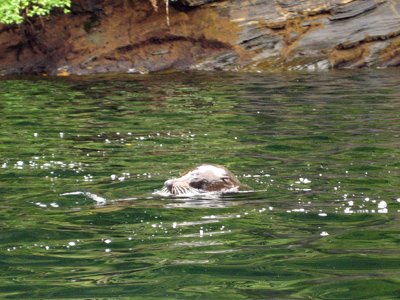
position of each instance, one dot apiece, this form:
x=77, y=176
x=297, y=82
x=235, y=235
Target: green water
x=81, y=158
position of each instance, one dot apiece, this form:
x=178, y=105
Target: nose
x=168, y=184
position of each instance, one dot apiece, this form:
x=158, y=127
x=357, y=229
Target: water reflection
x=205, y=201
x=82, y=157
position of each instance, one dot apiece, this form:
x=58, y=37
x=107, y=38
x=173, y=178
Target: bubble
x=304, y=180
x=348, y=210
x=382, y=204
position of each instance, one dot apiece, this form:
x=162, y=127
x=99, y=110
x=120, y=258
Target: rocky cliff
x=101, y=36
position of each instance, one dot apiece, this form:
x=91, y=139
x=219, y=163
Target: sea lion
x=203, y=178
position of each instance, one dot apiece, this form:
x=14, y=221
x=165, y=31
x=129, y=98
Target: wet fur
x=202, y=179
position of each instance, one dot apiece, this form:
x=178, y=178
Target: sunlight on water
x=85, y=215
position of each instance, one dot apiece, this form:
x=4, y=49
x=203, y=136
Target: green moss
x=15, y=12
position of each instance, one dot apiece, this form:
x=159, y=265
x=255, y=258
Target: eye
x=203, y=184
x=198, y=184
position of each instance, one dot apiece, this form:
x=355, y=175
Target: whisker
x=175, y=190
x=183, y=190
x=193, y=190
x=179, y=190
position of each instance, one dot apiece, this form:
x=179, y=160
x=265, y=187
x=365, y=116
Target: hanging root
x=167, y=10
x=155, y=7
x=154, y=4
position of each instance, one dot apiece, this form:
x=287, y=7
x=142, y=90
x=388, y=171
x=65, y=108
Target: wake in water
x=97, y=198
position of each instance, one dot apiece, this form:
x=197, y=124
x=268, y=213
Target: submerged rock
x=258, y=35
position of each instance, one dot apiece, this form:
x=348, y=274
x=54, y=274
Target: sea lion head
x=201, y=179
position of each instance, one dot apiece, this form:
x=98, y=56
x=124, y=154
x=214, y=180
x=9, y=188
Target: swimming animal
x=202, y=179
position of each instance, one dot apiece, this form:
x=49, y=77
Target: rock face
x=251, y=35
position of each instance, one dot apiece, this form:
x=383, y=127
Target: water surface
x=81, y=158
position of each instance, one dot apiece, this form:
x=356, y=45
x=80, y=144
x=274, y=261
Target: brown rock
x=118, y=36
